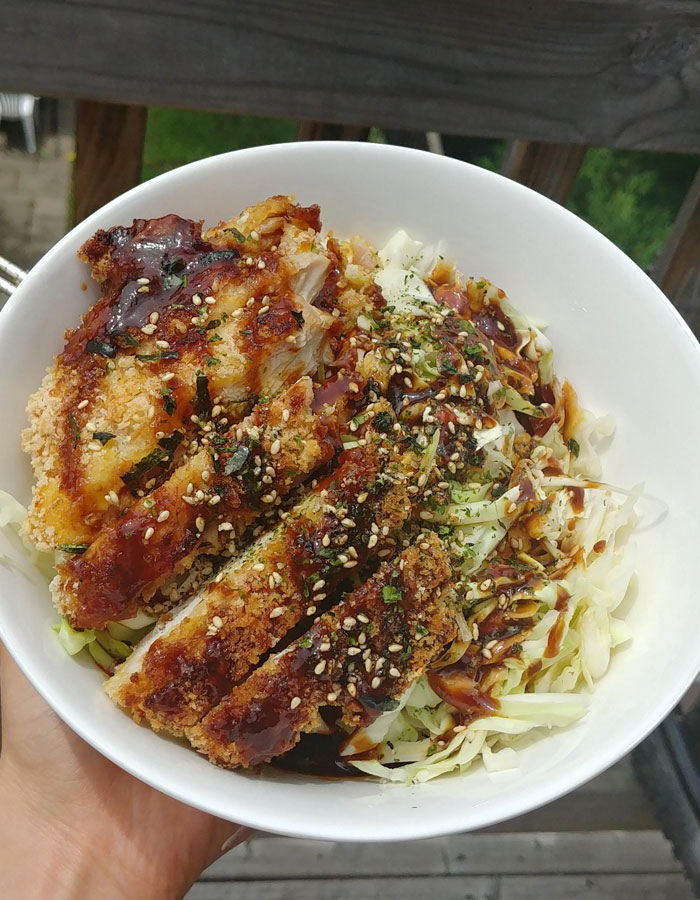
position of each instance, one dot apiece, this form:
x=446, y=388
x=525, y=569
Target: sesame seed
x=348, y=523
x=310, y=610
x=153, y=318
x=376, y=681
x=212, y=500
x=264, y=309
x=324, y=647
x=331, y=697
x=148, y=534
x=350, y=564
x=218, y=622
x=148, y=329
x=225, y=526
x=320, y=584
x=261, y=264
x=355, y=388
x=295, y=702
x=394, y=672
x=277, y=611
x=205, y=475
x=143, y=281
x=486, y=653
x=162, y=516
x=142, y=290
x=352, y=690
x=361, y=617
x=426, y=516
x=200, y=523
x=196, y=299
x=82, y=404
x=353, y=651
x=162, y=345
x=210, y=300
x=395, y=648
x=258, y=567
x=271, y=581
x=368, y=661
x=384, y=553
x=275, y=447
x=320, y=667
x=379, y=663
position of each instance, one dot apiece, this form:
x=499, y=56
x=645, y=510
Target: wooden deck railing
x=550, y=76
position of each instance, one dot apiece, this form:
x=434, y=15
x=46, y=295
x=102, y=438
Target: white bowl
x=624, y=347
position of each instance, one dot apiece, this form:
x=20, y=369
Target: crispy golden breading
x=189, y=328
x=359, y=657
x=187, y=665
x=210, y=498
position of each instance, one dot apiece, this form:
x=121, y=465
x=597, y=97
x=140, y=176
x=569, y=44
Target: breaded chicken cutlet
x=190, y=328
x=359, y=658
x=289, y=575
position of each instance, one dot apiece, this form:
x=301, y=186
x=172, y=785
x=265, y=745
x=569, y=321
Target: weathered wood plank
x=677, y=269
x=465, y=854
x=605, y=887
x=449, y=888
x=108, y=152
x=548, y=168
x=605, y=72
x=641, y=886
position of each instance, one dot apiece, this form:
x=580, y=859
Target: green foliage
x=632, y=197
x=176, y=136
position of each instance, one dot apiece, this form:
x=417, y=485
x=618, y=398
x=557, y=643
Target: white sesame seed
x=352, y=690
x=153, y=318
x=394, y=672
x=264, y=309
x=275, y=447
x=361, y=617
x=379, y=663
x=395, y=648
x=143, y=281
x=348, y=523
x=310, y=610
x=376, y=681
x=261, y=264
x=350, y=564
x=426, y=516
x=320, y=667
x=148, y=329
x=486, y=653
x=285, y=415
x=277, y=611
x=148, y=534
x=349, y=622
x=142, y=290
x=384, y=553
x=162, y=516
x=200, y=523
x=353, y=651
x=225, y=526
x=271, y=581
x=332, y=697
x=82, y=404
x=212, y=501
x=320, y=584
x=162, y=345
x=267, y=498
x=368, y=661
x=258, y=567
x=324, y=647
x=295, y=702
x=218, y=622
x=210, y=300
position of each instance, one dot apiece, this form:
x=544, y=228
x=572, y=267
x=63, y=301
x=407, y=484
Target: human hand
x=74, y=825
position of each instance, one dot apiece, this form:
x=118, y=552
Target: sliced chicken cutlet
x=189, y=328
x=189, y=663
x=211, y=498
x=359, y=657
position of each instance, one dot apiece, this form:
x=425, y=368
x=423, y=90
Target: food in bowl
x=347, y=488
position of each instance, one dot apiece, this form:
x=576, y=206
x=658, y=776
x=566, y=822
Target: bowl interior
x=616, y=338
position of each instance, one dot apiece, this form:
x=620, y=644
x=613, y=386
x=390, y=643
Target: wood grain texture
x=108, y=152
x=619, y=73
x=611, y=852
x=548, y=168
x=677, y=269
x=641, y=886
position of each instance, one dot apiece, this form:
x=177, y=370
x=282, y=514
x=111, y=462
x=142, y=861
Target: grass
x=632, y=197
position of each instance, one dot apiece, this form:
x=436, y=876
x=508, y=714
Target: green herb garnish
x=574, y=447
x=74, y=429
x=104, y=437
x=72, y=548
x=101, y=348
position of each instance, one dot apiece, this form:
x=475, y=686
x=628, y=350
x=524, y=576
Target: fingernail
x=239, y=836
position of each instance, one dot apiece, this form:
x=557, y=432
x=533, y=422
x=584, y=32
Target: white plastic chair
x=20, y=107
